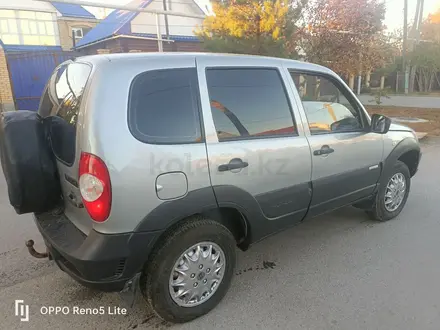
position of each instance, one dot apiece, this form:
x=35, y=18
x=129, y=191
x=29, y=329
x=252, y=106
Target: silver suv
x=167, y=162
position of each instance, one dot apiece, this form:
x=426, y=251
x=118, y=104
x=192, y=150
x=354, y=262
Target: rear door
x=62, y=102
x=259, y=159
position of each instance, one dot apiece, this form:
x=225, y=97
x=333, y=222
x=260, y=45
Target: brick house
x=32, y=27
x=125, y=31
x=6, y=96
x=73, y=23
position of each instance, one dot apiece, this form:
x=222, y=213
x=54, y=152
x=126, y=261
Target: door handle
x=325, y=150
x=233, y=164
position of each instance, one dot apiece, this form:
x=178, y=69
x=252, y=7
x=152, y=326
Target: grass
x=433, y=115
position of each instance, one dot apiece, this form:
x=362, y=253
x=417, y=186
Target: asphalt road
x=404, y=101
x=338, y=271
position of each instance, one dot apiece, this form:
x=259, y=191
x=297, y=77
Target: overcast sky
x=394, y=14
x=393, y=20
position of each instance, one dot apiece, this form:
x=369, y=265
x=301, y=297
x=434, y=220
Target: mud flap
x=130, y=290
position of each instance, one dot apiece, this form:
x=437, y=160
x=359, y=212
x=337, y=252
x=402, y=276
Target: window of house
x=164, y=107
x=20, y=27
x=8, y=27
x=80, y=32
x=249, y=103
x=77, y=33
x=327, y=105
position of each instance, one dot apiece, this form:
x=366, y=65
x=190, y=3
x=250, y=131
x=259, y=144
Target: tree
x=426, y=59
x=252, y=27
x=435, y=17
x=381, y=52
x=425, y=56
x=343, y=34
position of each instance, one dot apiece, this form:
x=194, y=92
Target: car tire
x=28, y=162
x=381, y=211
x=157, y=284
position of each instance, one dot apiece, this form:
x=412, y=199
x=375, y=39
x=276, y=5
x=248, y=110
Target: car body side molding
x=204, y=200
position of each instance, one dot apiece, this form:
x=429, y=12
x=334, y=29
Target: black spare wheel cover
x=28, y=162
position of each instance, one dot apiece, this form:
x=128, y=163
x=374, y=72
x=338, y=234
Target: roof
x=118, y=23
x=172, y=37
x=175, y=56
x=69, y=10
x=113, y=24
x=205, y=8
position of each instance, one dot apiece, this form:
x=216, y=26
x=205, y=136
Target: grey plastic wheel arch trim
x=203, y=200
x=404, y=146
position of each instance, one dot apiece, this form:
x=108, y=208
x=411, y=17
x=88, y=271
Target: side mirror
x=380, y=124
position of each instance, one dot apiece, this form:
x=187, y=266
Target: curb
x=421, y=135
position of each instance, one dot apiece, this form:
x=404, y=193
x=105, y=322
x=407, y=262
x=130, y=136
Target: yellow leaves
x=435, y=17
x=276, y=33
x=246, y=19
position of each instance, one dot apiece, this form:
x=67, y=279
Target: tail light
x=95, y=187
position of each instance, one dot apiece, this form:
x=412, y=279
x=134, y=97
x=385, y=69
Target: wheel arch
x=200, y=202
x=230, y=217
x=411, y=159
x=407, y=151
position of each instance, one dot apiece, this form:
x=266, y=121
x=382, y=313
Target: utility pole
x=414, y=38
x=405, y=44
x=359, y=82
x=167, y=29
x=159, y=34
x=419, y=27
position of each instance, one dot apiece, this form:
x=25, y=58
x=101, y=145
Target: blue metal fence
x=29, y=73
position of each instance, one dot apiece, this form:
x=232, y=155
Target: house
x=124, y=31
x=34, y=38
x=28, y=25
x=73, y=23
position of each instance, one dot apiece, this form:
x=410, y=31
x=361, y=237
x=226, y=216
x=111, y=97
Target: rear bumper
x=101, y=261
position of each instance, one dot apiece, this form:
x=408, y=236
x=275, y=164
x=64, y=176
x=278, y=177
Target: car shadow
x=259, y=262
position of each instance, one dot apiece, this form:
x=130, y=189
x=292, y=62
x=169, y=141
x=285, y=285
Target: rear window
x=62, y=102
x=164, y=107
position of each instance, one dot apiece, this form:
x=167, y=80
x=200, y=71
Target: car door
x=346, y=156
x=259, y=158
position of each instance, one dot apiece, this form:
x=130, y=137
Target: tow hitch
x=30, y=246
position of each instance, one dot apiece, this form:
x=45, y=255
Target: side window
x=326, y=106
x=163, y=107
x=62, y=103
x=248, y=103
x=69, y=88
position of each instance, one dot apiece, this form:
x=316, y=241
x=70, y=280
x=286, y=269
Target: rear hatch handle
x=73, y=199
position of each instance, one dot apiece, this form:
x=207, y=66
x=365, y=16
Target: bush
x=378, y=94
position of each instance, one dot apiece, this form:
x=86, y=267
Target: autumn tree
x=253, y=27
x=434, y=17
x=424, y=57
x=345, y=35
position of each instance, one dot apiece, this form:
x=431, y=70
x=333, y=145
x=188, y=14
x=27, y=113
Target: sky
x=393, y=18
x=394, y=14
